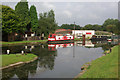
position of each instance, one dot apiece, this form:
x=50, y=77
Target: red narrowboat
x=58, y=37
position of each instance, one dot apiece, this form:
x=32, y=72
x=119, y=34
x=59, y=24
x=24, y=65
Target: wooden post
x=74, y=29
x=83, y=40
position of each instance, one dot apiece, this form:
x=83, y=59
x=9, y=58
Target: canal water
x=54, y=60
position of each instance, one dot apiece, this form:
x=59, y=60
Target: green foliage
x=47, y=23
x=34, y=18
x=10, y=22
x=22, y=11
x=110, y=28
x=112, y=25
x=70, y=26
x=92, y=27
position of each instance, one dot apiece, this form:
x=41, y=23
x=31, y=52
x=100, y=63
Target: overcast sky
x=92, y=12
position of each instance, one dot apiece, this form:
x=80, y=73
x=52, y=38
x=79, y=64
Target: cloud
x=48, y=5
x=68, y=13
x=81, y=12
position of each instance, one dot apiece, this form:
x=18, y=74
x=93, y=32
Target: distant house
x=80, y=33
x=31, y=36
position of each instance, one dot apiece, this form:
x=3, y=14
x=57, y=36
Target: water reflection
x=20, y=72
x=30, y=48
x=54, y=47
x=55, y=60
x=45, y=61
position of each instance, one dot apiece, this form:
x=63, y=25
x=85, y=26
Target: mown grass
x=104, y=67
x=18, y=42
x=77, y=39
x=14, y=58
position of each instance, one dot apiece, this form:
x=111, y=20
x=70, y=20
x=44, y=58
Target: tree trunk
x=8, y=37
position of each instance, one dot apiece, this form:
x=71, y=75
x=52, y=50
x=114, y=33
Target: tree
x=97, y=27
x=10, y=22
x=110, y=28
x=88, y=27
x=22, y=11
x=47, y=23
x=34, y=18
x=113, y=23
x=51, y=19
x=70, y=26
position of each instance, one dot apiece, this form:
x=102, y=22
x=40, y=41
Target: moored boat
x=98, y=38
x=60, y=38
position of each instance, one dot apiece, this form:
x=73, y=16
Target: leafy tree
x=70, y=26
x=10, y=22
x=34, y=18
x=113, y=23
x=88, y=27
x=110, y=28
x=47, y=23
x=51, y=19
x=22, y=11
x=97, y=27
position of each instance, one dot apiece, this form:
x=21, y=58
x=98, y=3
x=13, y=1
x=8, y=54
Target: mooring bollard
x=22, y=52
x=32, y=47
x=42, y=46
x=25, y=47
x=8, y=52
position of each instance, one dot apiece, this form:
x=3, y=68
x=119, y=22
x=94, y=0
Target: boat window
x=54, y=36
x=50, y=35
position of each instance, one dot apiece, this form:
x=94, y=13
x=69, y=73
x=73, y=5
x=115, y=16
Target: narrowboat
x=60, y=38
x=98, y=38
x=109, y=39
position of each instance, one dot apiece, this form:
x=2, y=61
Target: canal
x=54, y=60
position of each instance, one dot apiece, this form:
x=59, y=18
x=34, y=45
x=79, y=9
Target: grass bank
x=34, y=41
x=103, y=67
x=20, y=42
x=77, y=39
x=12, y=58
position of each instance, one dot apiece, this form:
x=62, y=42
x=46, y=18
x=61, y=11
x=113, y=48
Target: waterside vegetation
x=103, y=67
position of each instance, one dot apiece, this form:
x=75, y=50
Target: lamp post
x=74, y=29
x=74, y=45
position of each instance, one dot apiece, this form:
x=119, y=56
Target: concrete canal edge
x=86, y=65
x=18, y=63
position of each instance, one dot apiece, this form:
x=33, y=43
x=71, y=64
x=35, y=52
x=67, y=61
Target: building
x=87, y=33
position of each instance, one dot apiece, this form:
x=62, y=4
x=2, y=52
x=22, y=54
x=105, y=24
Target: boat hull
x=61, y=41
